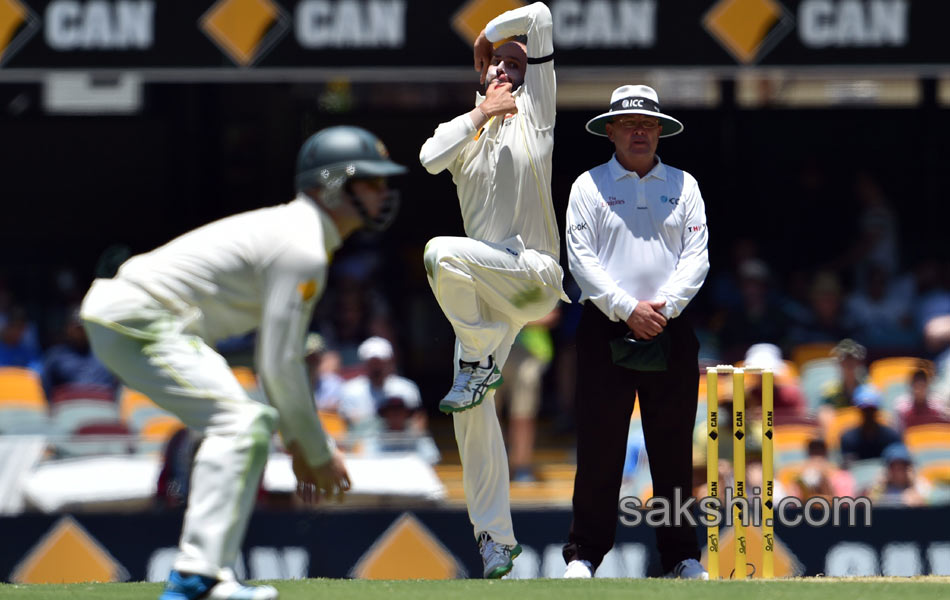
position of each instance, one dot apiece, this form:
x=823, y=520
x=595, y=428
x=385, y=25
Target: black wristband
x=541, y=60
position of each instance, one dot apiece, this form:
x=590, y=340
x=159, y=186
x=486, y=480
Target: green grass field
x=884, y=588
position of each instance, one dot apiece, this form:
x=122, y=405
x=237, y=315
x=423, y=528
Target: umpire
x=636, y=244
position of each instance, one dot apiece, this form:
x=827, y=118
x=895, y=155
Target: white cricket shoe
x=578, y=569
x=185, y=586
x=234, y=590
x=471, y=385
x=688, y=569
x=496, y=558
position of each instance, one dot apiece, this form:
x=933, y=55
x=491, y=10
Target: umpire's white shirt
x=503, y=172
x=264, y=270
x=631, y=238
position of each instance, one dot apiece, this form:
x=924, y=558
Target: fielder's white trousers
x=488, y=291
x=147, y=347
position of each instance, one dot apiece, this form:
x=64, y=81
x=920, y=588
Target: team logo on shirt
x=673, y=201
x=696, y=228
x=577, y=227
x=611, y=201
x=307, y=289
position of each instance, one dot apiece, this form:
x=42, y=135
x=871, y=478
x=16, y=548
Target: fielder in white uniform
x=155, y=325
x=506, y=272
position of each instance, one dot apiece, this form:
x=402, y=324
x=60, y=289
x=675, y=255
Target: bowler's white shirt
x=631, y=239
x=504, y=176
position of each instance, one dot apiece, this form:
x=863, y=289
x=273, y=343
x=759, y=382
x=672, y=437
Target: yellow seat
x=21, y=388
x=333, y=424
x=245, y=377
x=160, y=428
x=806, y=352
x=936, y=472
x=794, y=436
x=131, y=402
x=886, y=371
x=932, y=436
x=846, y=418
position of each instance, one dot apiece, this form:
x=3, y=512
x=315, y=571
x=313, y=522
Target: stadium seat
x=930, y=446
x=865, y=473
x=803, y=353
x=847, y=418
x=23, y=408
x=245, y=377
x=98, y=439
x=891, y=393
x=135, y=409
x=816, y=376
x=159, y=428
x=333, y=424
x=790, y=447
x=75, y=406
x=886, y=371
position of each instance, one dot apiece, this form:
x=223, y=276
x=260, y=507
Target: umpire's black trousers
x=604, y=403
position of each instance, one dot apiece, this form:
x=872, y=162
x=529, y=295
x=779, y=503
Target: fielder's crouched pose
x=155, y=325
x=506, y=272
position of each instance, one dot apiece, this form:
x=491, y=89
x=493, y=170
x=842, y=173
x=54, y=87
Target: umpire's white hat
x=634, y=100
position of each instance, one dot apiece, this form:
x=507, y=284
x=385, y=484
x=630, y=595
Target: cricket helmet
x=333, y=156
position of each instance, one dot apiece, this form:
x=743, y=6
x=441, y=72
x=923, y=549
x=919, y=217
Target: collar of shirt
x=618, y=172
x=331, y=235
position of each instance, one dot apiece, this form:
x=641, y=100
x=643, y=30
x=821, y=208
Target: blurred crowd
x=826, y=326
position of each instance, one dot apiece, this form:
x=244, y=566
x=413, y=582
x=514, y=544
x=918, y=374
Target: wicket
x=738, y=450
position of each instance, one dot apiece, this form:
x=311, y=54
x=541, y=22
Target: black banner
x=346, y=34
x=900, y=542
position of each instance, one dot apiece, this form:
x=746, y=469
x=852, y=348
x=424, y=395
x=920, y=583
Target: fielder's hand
x=646, y=321
x=483, y=52
x=498, y=101
x=329, y=480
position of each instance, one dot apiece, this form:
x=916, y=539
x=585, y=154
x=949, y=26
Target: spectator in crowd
x=881, y=311
x=758, y=318
x=400, y=432
x=363, y=396
x=18, y=344
x=820, y=477
x=324, y=367
x=529, y=359
x=920, y=406
x=869, y=438
x=853, y=373
x=789, y=402
x=825, y=321
x=72, y=362
x=900, y=485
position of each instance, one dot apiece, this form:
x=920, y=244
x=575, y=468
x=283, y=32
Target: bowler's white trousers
x=488, y=291
x=148, y=348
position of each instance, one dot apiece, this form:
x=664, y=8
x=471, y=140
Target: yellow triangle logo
x=307, y=289
x=407, y=550
x=469, y=21
x=17, y=25
x=245, y=29
x=68, y=554
x=748, y=28
x=786, y=563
